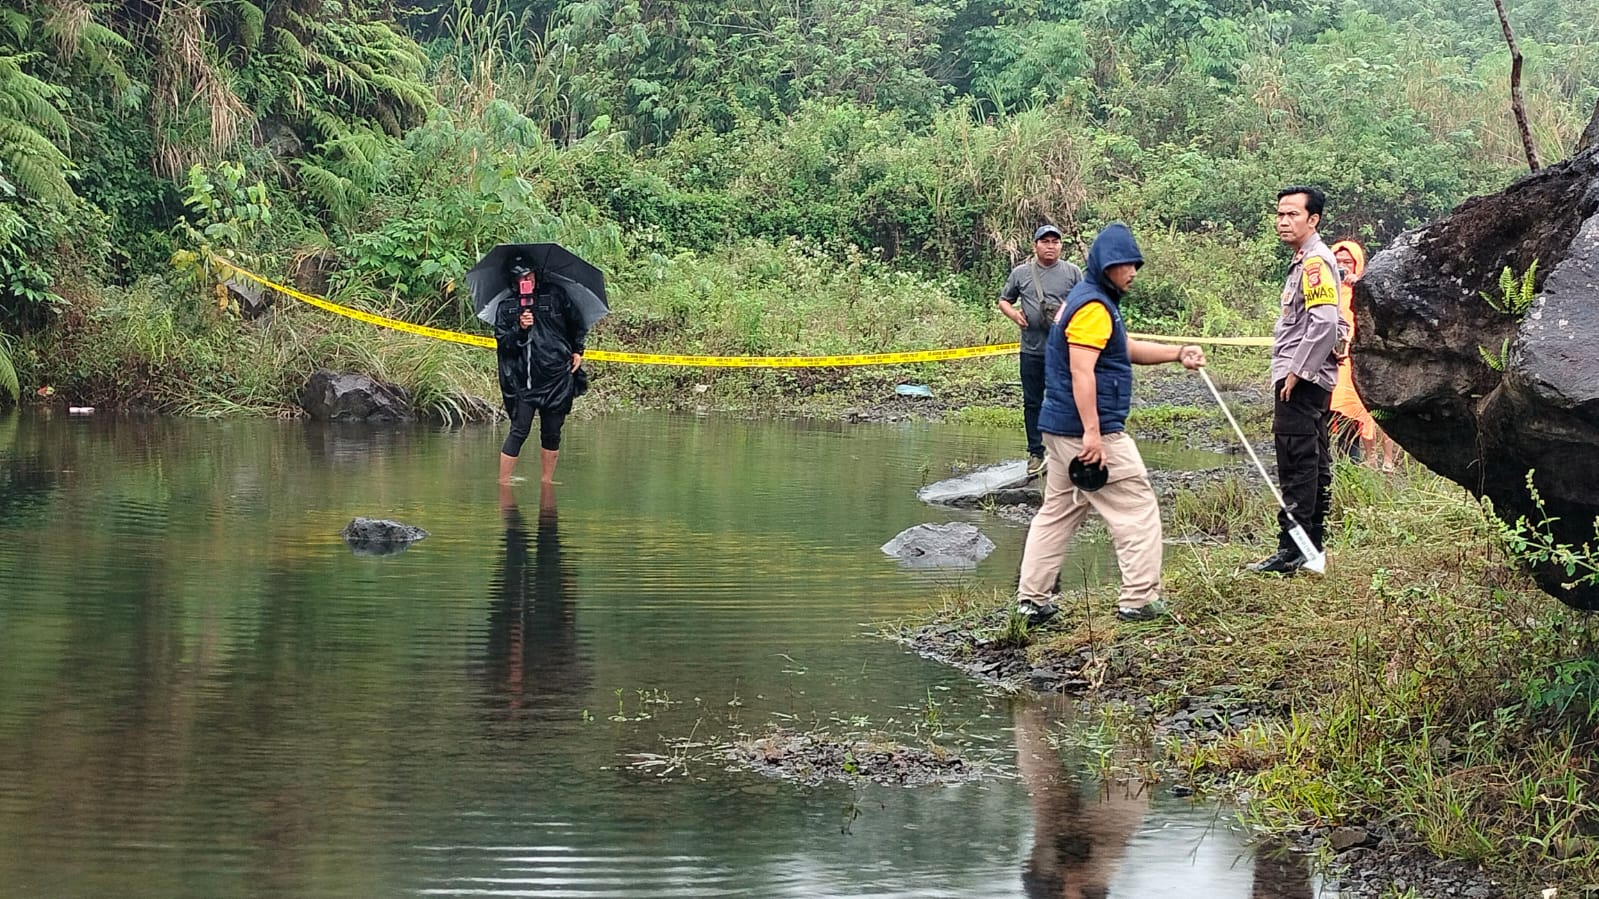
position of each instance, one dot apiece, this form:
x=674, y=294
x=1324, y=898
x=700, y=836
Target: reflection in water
x=533, y=655
x=26, y=480
x=1280, y=875
x=203, y=693
x=1077, y=845
x=1110, y=844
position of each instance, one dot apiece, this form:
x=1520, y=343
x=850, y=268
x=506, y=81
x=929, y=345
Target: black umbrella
x=490, y=279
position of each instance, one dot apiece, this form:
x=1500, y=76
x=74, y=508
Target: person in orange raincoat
x=1351, y=418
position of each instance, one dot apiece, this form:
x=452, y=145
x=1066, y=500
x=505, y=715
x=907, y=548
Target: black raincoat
x=536, y=364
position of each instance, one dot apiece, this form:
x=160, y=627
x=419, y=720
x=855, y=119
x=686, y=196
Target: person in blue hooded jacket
x=1088, y=389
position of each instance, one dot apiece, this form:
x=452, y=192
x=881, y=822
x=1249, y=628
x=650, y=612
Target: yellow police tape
x=481, y=340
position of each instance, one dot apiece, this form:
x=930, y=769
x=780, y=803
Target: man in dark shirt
x=1031, y=298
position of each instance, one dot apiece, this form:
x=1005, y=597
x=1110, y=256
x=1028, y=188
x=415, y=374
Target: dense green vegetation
x=754, y=177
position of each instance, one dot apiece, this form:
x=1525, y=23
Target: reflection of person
x=1031, y=297
x=1304, y=369
x=1089, y=372
x=1078, y=842
x=1280, y=875
x=532, y=651
x=1350, y=415
x=540, y=341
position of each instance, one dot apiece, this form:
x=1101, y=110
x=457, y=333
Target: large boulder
x=1423, y=328
x=1589, y=139
x=331, y=396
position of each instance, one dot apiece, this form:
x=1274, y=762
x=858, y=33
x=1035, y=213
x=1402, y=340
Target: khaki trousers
x=1126, y=502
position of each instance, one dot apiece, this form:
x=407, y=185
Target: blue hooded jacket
x=1113, y=371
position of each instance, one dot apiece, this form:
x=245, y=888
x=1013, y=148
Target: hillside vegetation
x=753, y=177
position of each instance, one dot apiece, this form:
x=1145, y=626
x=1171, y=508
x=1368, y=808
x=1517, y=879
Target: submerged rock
x=379, y=536
x=1481, y=396
x=953, y=545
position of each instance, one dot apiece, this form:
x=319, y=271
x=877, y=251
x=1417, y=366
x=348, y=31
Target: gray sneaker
x=1034, y=613
x=1148, y=612
x=1035, y=466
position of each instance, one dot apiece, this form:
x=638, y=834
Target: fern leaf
x=38, y=168
x=18, y=25
x=25, y=97
x=103, y=51
x=325, y=187
x=8, y=373
x=288, y=43
x=1496, y=362
x=252, y=24
x=327, y=123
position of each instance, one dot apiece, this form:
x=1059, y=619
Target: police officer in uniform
x=1304, y=370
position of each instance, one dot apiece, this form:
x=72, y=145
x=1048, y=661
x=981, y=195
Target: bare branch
x=1515, y=88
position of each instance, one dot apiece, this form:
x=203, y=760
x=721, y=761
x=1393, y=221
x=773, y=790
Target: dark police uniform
x=1308, y=329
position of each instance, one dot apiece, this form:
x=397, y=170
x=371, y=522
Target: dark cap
x=1087, y=477
x=1046, y=229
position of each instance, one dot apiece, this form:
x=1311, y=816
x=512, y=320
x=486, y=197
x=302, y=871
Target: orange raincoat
x=1345, y=401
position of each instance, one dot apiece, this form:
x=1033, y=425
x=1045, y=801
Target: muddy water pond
x=204, y=692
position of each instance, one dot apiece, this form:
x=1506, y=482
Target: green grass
x=996, y=418
x=1232, y=508
x=1167, y=422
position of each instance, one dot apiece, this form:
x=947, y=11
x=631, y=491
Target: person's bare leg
x=507, y=465
x=1390, y=451
x=547, y=465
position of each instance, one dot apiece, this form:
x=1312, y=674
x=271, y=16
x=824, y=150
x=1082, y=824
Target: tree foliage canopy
x=932, y=132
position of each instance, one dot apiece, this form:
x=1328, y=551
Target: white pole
x=1315, y=560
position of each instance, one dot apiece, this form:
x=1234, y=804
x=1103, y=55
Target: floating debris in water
x=814, y=758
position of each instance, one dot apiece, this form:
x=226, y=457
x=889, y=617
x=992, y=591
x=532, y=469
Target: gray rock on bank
x=953, y=545
x=332, y=396
x=1004, y=483
x=379, y=536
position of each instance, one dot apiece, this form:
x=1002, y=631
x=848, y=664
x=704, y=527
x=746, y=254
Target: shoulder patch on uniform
x=1317, y=283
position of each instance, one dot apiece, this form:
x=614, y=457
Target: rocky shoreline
x=1364, y=860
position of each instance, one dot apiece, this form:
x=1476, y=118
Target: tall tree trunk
x=1515, y=88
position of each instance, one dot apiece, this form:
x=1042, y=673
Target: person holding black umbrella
x=540, y=346
x=541, y=300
